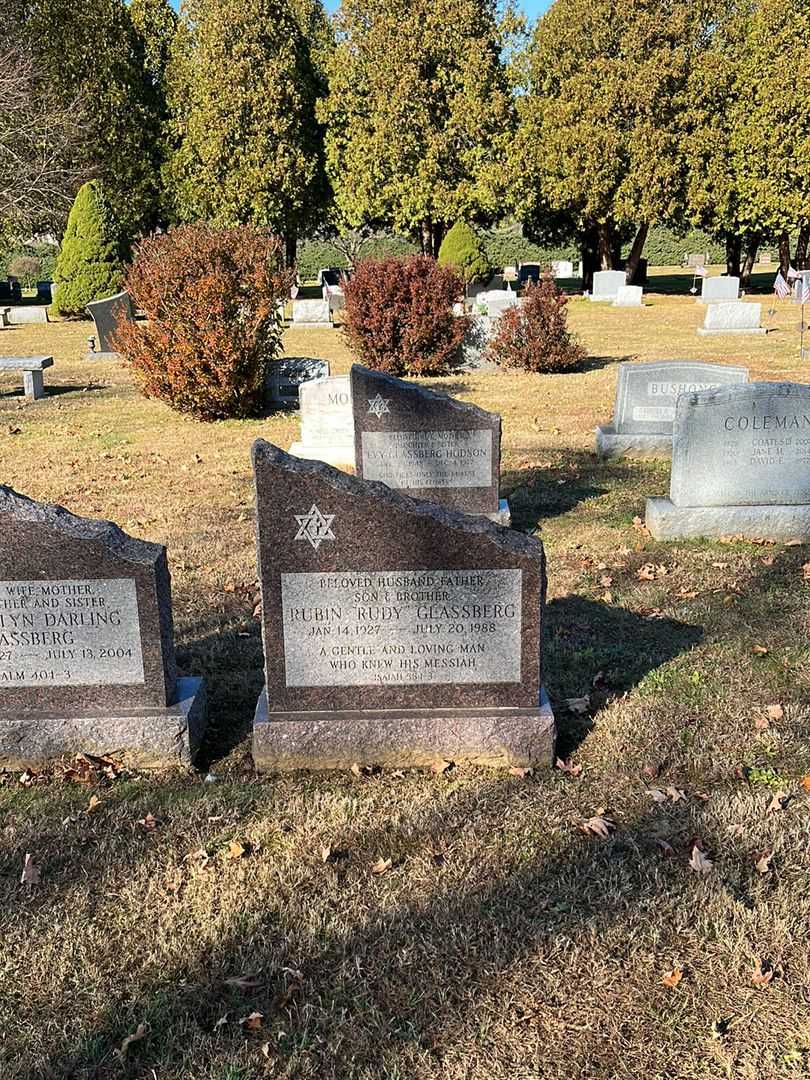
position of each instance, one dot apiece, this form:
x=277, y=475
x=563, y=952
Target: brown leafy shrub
x=211, y=297
x=534, y=336
x=399, y=315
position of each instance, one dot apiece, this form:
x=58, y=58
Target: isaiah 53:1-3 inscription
x=70, y=633
x=402, y=626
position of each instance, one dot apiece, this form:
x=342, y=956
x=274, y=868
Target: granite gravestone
x=646, y=395
x=285, y=377
x=327, y=422
x=606, y=284
x=45, y=291
x=106, y=315
x=629, y=296
x=311, y=314
x=735, y=317
x=27, y=314
x=475, y=347
x=86, y=642
x=500, y=300
x=719, y=289
x=740, y=465
x=562, y=268
x=395, y=632
x=426, y=444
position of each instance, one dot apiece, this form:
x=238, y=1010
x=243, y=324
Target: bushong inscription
x=402, y=626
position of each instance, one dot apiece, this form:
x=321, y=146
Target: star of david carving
x=315, y=527
x=379, y=405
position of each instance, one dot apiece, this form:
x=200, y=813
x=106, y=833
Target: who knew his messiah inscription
x=70, y=633
x=441, y=626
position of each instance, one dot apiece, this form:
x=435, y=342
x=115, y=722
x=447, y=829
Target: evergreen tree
x=243, y=81
x=463, y=249
x=419, y=115
x=89, y=263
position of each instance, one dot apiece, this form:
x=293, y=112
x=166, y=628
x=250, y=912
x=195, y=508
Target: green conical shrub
x=89, y=264
x=463, y=250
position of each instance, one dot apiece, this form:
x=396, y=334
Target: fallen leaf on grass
x=672, y=978
x=599, y=826
x=252, y=1022
x=441, y=767
x=140, y=1033
x=149, y=822
x=774, y=712
x=640, y=526
x=778, y=802
x=381, y=866
x=94, y=804
x=236, y=849
x=578, y=705
x=700, y=862
x=765, y=862
x=760, y=650
x=245, y=982
x=676, y=794
x=520, y=771
x=30, y=872
x=665, y=846
x=806, y=782
x=805, y=568
x=567, y=767
x=762, y=975
x=657, y=795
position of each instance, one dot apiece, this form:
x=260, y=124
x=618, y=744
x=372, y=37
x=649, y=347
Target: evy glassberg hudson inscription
x=438, y=626
x=428, y=459
x=70, y=633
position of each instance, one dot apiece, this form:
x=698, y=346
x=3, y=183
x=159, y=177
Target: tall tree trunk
x=636, y=252
x=751, y=251
x=590, y=260
x=425, y=238
x=604, y=233
x=801, y=246
x=290, y=246
x=436, y=235
x=733, y=255
x=784, y=252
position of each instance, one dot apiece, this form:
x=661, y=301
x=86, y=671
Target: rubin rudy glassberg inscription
x=428, y=459
x=402, y=626
x=70, y=633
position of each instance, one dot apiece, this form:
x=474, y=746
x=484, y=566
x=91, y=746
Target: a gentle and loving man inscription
x=438, y=626
x=70, y=633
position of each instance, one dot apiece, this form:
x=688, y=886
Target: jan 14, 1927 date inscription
x=70, y=633
x=407, y=627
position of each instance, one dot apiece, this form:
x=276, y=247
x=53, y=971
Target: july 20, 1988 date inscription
x=402, y=626
x=70, y=633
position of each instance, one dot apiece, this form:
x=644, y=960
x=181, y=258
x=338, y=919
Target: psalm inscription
x=428, y=459
x=407, y=627
x=70, y=633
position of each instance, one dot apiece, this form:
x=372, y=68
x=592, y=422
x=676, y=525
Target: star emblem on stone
x=379, y=405
x=315, y=527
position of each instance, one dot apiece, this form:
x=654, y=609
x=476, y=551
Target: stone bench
x=32, y=368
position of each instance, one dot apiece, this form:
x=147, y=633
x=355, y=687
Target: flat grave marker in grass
x=426, y=444
x=395, y=632
x=646, y=395
x=740, y=465
x=86, y=642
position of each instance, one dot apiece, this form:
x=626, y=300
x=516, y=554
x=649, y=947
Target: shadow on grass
x=51, y=390
x=556, y=482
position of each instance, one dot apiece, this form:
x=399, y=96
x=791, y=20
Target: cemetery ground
x=456, y=923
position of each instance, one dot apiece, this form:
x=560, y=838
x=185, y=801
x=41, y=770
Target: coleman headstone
x=311, y=314
x=395, y=632
x=646, y=395
x=740, y=465
x=86, y=642
x=426, y=444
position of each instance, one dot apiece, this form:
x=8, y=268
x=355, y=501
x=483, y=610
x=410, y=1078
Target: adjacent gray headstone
x=646, y=396
x=327, y=422
x=284, y=378
x=719, y=289
x=311, y=314
x=735, y=317
x=629, y=296
x=606, y=284
x=426, y=444
x=740, y=465
x=106, y=315
x=86, y=642
x=395, y=632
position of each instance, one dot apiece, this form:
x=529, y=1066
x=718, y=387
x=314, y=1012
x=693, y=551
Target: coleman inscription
x=409, y=627
x=428, y=459
x=70, y=633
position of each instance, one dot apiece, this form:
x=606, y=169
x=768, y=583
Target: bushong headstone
x=740, y=465
x=106, y=315
x=646, y=395
x=285, y=378
x=426, y=444
x=327, y=422
x=395, y=632
x=86, y=642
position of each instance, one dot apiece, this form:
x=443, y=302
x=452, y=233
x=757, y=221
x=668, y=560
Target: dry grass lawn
x=503, y=943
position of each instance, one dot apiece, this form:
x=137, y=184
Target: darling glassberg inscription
x=437, y=626
x=70, y=633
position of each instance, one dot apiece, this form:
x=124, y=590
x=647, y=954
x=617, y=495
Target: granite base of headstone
x=396, y=633
x=646, y=395
x=285, y=378
x=106, y=315
x=427, y=444
x=740, y=465
x=27, y=315
x=87, y=645
x=631, y=296
x=733, y=317
x=311, y=315
x=606, y=285
x=327, y=422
